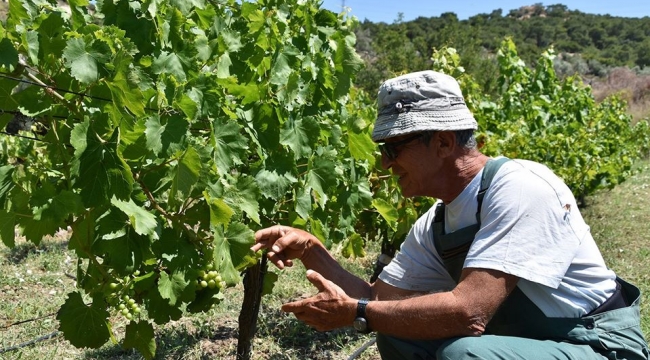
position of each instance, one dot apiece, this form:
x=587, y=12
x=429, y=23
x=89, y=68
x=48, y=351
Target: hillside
x=611, y=53
x=4, y=10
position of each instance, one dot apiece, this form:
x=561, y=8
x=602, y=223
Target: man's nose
x=386, y=162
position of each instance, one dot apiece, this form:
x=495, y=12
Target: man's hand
x=284, y=244
x=330, y=309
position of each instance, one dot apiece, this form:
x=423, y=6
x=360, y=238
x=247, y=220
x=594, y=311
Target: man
x=503, y=267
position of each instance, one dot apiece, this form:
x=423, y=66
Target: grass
x=620, y=223
x=34, y=281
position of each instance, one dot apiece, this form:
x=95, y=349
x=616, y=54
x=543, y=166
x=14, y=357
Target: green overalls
x=519, y=329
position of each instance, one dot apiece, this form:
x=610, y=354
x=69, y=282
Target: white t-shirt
x=530, y=228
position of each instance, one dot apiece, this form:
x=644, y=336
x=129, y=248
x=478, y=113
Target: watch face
x=360, y=324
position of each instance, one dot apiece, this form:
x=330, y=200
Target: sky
x=387, y=11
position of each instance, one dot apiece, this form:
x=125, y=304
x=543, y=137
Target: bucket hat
x=421, y=101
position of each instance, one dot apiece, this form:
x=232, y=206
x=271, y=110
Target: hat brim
x=397, y=124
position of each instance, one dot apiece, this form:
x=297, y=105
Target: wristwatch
x=360, y=322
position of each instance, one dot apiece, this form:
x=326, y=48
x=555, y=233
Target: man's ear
x=446, y=143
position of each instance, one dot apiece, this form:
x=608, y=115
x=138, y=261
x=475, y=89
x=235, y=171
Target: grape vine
x=173, y=130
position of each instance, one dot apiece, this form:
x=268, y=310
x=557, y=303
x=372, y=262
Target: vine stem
x=253, y=285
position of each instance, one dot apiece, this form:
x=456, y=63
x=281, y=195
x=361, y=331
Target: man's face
x=409, y=158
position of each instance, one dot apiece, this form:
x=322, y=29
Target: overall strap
x=491, y=168
x=453, y=247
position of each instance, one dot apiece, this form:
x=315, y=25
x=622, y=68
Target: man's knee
x=461, y=348
x=395, y=348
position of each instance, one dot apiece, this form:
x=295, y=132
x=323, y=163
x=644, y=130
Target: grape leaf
x=169, y=63
x=7, y=228
x=6, y=181
x=220, y=212
x=281, y=70
x=232, y=40
x=159, y=309
x=204, y=300
x=387, y=211
x=362, y=147
x=172, y=287
x=300, y=135
x=124, y=94
x=134, y=142
x=58, y=207
x=140, y=336
x=7, y=101
x=223, y=66
x=34, y=230
x=272, y=185
x=185, y=6
x=232, y=251
x=270, y=279
x=102, y=172
x=303, y=203
x=184, y=176
x=21, y=10
x=347, y=63
x=240, y=193
x=80, y=59
x=82, y=325
x=353, y=247
x=176, y=251
x=165, y=138
x=83, y=234
x=321, y=176
x=8, y=55
x=190, y=103
x=142, y=221
x=250, y=93
x=230, y=146
x=122, y=251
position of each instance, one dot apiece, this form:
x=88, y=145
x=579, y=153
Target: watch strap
x=361, y=307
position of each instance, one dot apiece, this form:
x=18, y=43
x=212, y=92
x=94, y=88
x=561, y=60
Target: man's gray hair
x=464, y=138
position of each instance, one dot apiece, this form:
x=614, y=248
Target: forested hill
x=607, y=40
x=589, y=44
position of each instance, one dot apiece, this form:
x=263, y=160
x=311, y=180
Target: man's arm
x=284, y=244
x=464, y=311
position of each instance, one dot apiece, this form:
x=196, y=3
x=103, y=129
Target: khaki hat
x=421, y=101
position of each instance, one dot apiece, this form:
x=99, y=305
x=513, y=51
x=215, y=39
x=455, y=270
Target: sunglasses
x=391, y=149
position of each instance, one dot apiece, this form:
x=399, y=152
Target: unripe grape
x=136, y=309
x=125, y=298
x=131, y=301
x=121, y=306
x=204, y=284
x=201, y=273
x=213, y=274
x=129, y=316
x=212, y=284
x=125, y=311
x=113, y=286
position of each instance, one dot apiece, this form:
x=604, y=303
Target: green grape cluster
x=209, y=278
x=128, y=307
x=121, y=297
